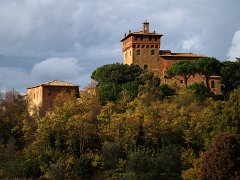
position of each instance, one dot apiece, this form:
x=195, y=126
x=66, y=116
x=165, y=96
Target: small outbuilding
x=41, y=97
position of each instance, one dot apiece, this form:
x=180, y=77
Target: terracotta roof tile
x=55, y=83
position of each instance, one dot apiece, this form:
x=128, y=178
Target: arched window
x=145, y=67
x=152, y=52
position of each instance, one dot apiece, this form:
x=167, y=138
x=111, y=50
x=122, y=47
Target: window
x=212, y=84
x=145, y=67
x=150, y=39
x=49, y=94
x=138, y=46
x=143, y=46
x=134, y=46
x=152, y=46
x=147, y=46
x=138, y=52
x=156, y=39
x=141, y=38
x=156, y=46
x=152, y=52
x=135, y=37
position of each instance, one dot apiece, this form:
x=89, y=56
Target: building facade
x=143, y=48
x=42, y=96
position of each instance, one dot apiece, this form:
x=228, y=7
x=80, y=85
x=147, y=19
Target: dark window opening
x=49, y=94
x=147, y=46
x=141, y=38
x=134, y=46
x=152, y=46
x=152, y=52
x=156, y=39
x=150, y=39
x=156, y=46
x=212, y=84
x=145, y=67
x=143, y=46
x=138, y=52
x=135, y=37
x=138, y=46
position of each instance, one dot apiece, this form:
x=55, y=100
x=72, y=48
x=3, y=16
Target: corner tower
x=142, y=48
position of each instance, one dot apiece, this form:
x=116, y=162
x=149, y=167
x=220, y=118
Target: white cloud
x=57, y=68
x=66, y=69
x=234, y=50
x=191, y=44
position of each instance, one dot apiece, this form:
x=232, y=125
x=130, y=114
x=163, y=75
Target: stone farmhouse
x=143, y=48
x=41, y=97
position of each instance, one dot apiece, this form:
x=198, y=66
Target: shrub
x=222, y=160
x=200, y=90
x=112, y=153
x=83, y=167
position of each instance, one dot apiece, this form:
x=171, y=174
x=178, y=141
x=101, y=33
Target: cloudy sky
x=42, y=40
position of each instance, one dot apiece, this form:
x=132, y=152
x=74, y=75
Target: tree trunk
x=185, y=79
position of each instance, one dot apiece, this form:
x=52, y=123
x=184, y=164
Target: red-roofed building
x=41, y=97
x=143, y=48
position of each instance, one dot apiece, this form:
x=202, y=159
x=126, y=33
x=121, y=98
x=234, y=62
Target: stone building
x=143, y=48
x=41, y=97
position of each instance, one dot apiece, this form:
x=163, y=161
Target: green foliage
x=167, y=90
x=138, y=163
x=200, y=90
x=32, y=168
x=83, y=167
x=230, y=76
x=118, y=81
x=114, y=80
x=108, y=91
x=55, y=172
x=112, y=153
x=117, y=73
x=168, y=163
x=222, y=160
x=208, y=67
x=184, y=69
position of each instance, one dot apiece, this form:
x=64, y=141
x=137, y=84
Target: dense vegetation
x=128, y=126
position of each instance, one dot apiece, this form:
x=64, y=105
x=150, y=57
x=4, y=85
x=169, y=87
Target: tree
x=208, y=67
x=184, y=69
x=115, y=80
x=230, y=75
x=117, y=73
x=222, y=160
x=200, y=90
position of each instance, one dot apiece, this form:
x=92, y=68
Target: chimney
x=146, y=27
x=129, y=31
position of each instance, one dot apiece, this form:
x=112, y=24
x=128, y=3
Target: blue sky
x=42, y=40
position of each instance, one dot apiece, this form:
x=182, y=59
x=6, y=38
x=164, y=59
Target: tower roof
x=143, y=32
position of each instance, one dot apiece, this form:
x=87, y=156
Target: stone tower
x=142, y=48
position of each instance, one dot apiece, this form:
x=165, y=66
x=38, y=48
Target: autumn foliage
x=147, y=131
